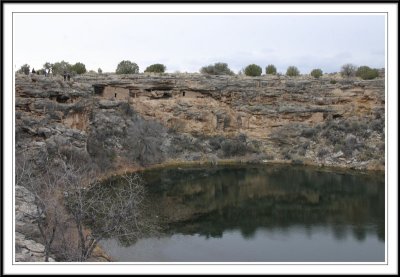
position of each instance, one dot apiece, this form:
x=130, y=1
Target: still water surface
x=261, y=214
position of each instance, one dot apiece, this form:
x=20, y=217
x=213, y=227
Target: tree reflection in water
x=210, y=200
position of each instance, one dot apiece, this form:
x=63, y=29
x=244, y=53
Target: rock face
x=147, y=119
x=26, y=250
x=114, y=121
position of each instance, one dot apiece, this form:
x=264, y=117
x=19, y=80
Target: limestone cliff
x=148, y=119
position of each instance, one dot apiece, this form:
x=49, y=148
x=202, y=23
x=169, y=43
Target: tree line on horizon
x=219, y=68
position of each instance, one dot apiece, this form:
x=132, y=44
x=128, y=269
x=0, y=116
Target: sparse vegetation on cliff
x=25, y=69
x=62, y=195
x=253, y=70
x=78, y=68
x=316, y=73
x=217, y=69
x=127, y=67
x=333, y=139
x=292, y=71
x=367, y=73
x=47, y=65
x=348, y=70
x=117, y=211
x=156, y=68
x=270, y=69
x=58, y=68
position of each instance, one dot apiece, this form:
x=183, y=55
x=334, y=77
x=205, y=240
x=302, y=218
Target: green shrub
x=127, y=109
x=309, y=132
x=367, y=73
x=25, y=69
x=287, y=155
x=217, y=69
x=47, y=65
x=156, y=68
x=127, y=67
x=322, y=152
x=348, y=70
x=237, y=146
x=292, y=71
x=40, y=71
x=253, y=70
x=270, y=69
x=333, y=82
x=79, y=68
x=378, y=125
x=301, y=151
x=316, y=73
x=215, y=142
x=233, y=148
x=350, y=144
x=60, y=67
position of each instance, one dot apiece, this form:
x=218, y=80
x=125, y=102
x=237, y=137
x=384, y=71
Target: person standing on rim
x=65, y=75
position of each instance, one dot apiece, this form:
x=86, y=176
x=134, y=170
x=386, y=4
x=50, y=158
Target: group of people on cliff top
x=67, y=75
x=45, y=71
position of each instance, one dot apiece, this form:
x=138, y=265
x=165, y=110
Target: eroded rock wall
x=196, y=117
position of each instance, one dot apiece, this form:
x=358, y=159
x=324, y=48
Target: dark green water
x=261, y=214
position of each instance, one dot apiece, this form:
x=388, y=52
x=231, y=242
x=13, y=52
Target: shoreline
x=175, y=163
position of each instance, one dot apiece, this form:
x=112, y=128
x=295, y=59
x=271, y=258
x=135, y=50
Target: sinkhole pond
x=258, y=213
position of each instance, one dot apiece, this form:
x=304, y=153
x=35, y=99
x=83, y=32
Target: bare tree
x=44, y=184
x=109, y=210
x=348, y=70
x=67, y=194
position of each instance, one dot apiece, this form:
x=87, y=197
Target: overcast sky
x=186, y=42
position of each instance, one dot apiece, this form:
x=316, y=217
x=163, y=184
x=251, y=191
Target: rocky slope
x=116, y=122
x=146, y=119
x=26, y=250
